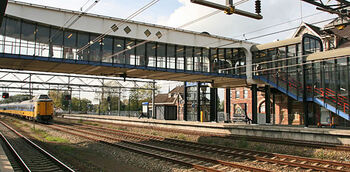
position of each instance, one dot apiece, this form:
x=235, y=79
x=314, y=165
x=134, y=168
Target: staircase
x=325, y=97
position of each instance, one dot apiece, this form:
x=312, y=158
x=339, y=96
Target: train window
x=44, y=97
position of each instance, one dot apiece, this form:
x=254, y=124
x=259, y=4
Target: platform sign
x=145, y=108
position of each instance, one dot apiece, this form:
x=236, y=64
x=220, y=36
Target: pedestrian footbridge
x=34, y=37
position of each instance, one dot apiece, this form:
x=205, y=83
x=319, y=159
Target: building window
x=245, y=94
x=237, y=94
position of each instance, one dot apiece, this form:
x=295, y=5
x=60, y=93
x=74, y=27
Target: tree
x=137, y=96
x=56, y=97
x=16, y=98
x=80, y=105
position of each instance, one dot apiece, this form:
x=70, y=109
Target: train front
x=43, y=111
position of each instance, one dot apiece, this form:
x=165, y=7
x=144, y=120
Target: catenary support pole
x=267, y=104
x=254, y=104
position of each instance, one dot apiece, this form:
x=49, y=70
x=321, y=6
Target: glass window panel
x=307, y=45
x=312, y=45
x=83, y=39
x=69, y=50
x=221, y=60
x=197, y=59
x=189, y=58
x=141, y=59
x=28, y=38
x=228, y=61
x=130, y=54
x=343, y=82
x=180, y=57
x=318, y=46
x=13, y=28
x=42, y=41
x=241, y=61
x=171, y=56
x=57, y=41
x=245, y=94
x=95, y=49
x=205, y=60
x=12, y=36
x=2, y=35
x=151, y=54
x=118, y=47
x=214, y=59
x=161, y=55
x=237, y=94
x=107, y=49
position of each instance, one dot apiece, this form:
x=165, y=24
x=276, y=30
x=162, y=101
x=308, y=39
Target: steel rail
x=249, y=138
x=16, y=155
x=57, y=161
x=226, y=163
x=213, y=149
x=199, y=167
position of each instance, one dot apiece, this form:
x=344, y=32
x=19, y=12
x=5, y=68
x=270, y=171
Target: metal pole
x=228, y=104
x=153, y=100
x=101, y=99
x=274, y=107
x=70, y=93
x=119, y=102
x=185, y=105
x=254, y=104
x=267, y=104
x=227, y=9
x=199, y=102
x=30, y=86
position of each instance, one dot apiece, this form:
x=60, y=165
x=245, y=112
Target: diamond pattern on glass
x=147, y=33
x=127, y=29
x=159, y=35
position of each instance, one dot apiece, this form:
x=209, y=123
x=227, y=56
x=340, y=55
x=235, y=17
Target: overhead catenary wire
x=63, y=27
x=285, y=30
x=110, y=30
x=274, y=25
x=184, y=25
x=264, y=35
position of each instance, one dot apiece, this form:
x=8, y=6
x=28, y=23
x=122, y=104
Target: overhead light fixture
x=118, y=45
x=128, y=47
x=70, y=35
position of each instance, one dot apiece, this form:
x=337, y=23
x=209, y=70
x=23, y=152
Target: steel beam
x=227, y=9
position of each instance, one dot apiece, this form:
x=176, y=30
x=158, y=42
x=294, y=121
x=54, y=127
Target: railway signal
x=67, y=97
x=5, y=95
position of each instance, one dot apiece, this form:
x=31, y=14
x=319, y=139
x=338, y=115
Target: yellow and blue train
x=40, y=108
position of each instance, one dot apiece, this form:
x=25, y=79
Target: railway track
x=190, y=160
x=273, y=158
x=336, y=147
x=28, y=155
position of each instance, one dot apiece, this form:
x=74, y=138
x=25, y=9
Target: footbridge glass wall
x=25, y=37
x=200, y=100
x=326, y=81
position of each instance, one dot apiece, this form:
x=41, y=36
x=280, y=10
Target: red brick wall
x=282, y=117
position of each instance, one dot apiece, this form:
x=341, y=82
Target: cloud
x=273, y=11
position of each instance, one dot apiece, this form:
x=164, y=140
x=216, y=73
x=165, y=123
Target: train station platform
x=5, y=165
x=294, y=133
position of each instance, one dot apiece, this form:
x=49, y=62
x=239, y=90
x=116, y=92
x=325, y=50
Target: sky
x=175, y=13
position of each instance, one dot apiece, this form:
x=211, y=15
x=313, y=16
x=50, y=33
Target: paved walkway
x=5, y=165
